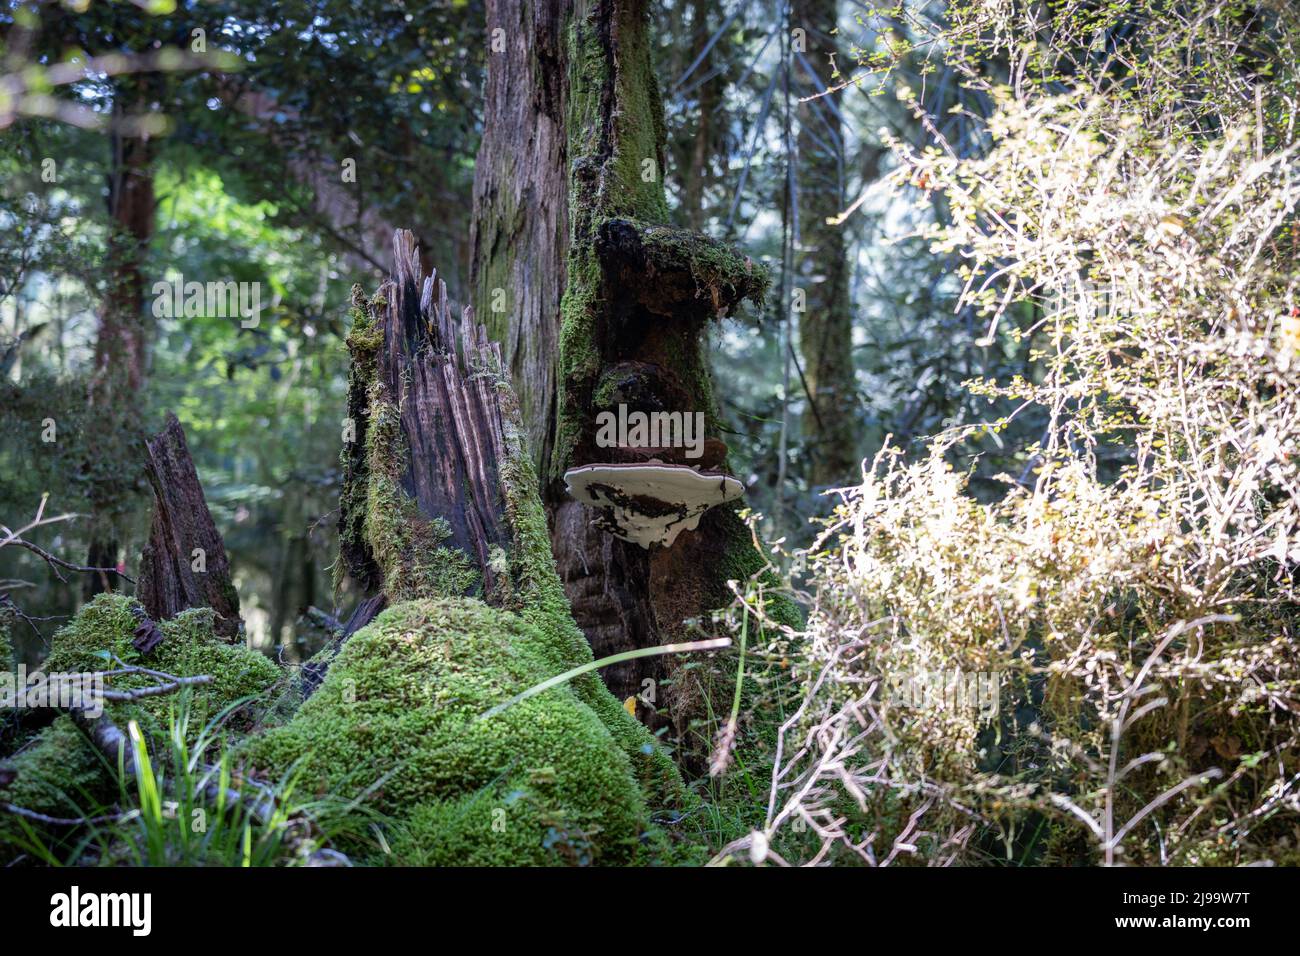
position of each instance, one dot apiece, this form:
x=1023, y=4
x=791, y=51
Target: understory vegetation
x=1129, y=599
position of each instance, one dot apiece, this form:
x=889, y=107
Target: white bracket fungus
x=649, y=503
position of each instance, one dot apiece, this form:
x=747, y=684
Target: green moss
x=579, y=361
x=396, y=723
x=637, y=132
x=564, y=777
x=189, y=647
x=362, y=348
x=59, y=773
x=712, y=272
x=405, y=544
x=365, y=336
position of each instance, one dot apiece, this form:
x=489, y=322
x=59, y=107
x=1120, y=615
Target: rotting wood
x=184, y=563
x=449, y=423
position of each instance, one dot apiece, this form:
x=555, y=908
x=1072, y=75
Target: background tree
x=832, y=432
x=248, y=185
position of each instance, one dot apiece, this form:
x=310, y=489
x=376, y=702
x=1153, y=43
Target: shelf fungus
x=649, y=503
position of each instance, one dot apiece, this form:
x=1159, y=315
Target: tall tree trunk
x=520, y=235
x=831, y=426
x=122, y=342
x=637, y=301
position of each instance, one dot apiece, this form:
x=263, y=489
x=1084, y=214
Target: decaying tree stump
x=184, y=564
x=423, y=509
x=440, y=496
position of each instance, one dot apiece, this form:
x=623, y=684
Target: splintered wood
x=449, y=407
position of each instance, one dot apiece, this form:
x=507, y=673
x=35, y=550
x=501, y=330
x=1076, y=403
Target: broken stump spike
x=181, y=532
x=439, y=461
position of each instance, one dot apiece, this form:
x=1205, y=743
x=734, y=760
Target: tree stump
x=184, y=564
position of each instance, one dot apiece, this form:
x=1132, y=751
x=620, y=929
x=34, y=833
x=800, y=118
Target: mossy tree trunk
x=632, y=325
x=520, y=231
x=831, y=425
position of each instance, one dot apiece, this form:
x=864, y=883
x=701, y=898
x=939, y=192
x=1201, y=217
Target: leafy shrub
x=1135, y=588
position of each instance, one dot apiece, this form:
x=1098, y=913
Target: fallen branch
x=170, y=685
x=157, y=690
x=48, y=820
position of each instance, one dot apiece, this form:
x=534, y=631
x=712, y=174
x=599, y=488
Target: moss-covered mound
x=57, y=772
x=397, y=720
x=189, y=647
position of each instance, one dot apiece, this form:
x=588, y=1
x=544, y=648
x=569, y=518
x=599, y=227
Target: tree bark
x=520, y=223
x=421, y=509
x=181, y=533
x=831, y=425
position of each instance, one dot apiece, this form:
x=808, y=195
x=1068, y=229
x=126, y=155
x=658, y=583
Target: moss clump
x=679, y=271
x=396, y=722
x=59, y=773
x=189, y=647
x=366, y=336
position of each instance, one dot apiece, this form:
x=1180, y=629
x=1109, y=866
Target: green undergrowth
x=396, y=724
x=57, y=772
